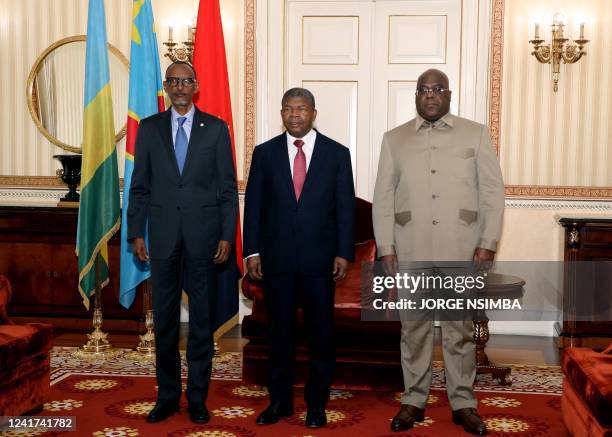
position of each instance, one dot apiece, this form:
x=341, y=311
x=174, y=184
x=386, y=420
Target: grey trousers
x=416, y=347
x=459, y=350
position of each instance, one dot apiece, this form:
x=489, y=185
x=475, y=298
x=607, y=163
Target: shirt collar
x=306, y=138
x=446, y=120
x=189, y=115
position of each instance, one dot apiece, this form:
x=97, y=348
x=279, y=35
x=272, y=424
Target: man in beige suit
x=439, y=196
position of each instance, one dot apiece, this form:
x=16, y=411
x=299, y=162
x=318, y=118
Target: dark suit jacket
x=203, y=201
x=307, y=234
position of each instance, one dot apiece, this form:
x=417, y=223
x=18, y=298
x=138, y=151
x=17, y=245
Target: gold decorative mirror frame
x=33, y=104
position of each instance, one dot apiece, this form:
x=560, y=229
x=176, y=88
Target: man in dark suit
x=184, y=189
x=299, y=237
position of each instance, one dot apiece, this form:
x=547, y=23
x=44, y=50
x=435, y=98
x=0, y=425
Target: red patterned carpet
x=111, y=399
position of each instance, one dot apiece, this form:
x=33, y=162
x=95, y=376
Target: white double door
x=361, y=60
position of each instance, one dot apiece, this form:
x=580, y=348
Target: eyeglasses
x=424, y=91
x=185, y=81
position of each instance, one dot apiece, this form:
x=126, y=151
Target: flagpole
x=97, y=346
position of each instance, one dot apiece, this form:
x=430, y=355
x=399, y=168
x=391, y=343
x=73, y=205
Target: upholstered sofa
x=367, y=353
x=587, y=392
x=24, y=361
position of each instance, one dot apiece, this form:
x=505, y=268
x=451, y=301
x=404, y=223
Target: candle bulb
x=581, y=30
x=170, y=33
x=537, y=31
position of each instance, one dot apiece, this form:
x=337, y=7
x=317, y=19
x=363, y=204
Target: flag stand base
x=145, y=351
x=97, y=346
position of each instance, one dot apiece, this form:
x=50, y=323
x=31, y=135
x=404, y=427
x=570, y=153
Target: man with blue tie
x=299, y=239
x=184, y=195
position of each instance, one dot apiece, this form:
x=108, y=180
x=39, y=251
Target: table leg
x=483, y=365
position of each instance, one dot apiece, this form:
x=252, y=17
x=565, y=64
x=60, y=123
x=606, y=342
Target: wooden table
x=498, y=286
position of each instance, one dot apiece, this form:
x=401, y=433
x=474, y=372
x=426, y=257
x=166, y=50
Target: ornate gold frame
x=495, y=98
x=32, y=105
x=250, y=76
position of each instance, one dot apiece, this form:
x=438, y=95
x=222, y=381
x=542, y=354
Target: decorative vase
x=70, y=174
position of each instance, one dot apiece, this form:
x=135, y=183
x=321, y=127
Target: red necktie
x=299, y=169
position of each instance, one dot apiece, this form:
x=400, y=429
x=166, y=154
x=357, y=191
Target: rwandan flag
x=99, y=206
x=146, y=98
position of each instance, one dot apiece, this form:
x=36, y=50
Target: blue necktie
x=180, y=144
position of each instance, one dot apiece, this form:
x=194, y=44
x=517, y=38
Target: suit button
x=433, y=171
x=435, y=222
x=178, y=208
x=433, y=147
x=434, y=196
x=180, y=185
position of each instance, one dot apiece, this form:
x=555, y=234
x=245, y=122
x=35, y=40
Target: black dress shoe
x=198, y=413
x=406, y=417
x=162, y=410
x=471, y=421
x=273, y=413
x=315, y=418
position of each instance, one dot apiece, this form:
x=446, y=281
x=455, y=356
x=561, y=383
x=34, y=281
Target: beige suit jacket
x=439, y=191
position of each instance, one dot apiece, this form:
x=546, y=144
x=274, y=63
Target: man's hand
x=483, y=258
x=389, y=263
x=254, y=267
x=140, y=249
x=340, y=267
x=223, y=251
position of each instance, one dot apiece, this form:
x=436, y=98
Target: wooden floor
x=507, y=349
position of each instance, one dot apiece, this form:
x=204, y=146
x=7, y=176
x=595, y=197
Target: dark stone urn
x=70, y=173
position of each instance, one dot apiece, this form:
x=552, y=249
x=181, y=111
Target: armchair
x=25, y=363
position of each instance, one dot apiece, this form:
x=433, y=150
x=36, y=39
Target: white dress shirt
x=308, y=147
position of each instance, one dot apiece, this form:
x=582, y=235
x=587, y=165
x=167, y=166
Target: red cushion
x=348, y=290
x=577, y=417
x=5, y=297
x=590, y=374
x=19, y=343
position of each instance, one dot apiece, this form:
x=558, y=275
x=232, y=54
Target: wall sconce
x=184, y=52
x=558, y=50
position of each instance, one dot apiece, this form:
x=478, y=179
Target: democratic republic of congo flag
x=99, y=206
x=145, y=99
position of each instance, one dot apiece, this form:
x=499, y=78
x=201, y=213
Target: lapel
x=316, y=164
x=165, y=130
x=281, y=150
x=198, y=129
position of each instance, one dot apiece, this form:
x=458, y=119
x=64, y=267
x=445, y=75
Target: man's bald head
x=433, y=75
x=180, y=65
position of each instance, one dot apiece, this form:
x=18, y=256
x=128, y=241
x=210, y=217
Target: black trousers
x=317, y=292
x=197, y=277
